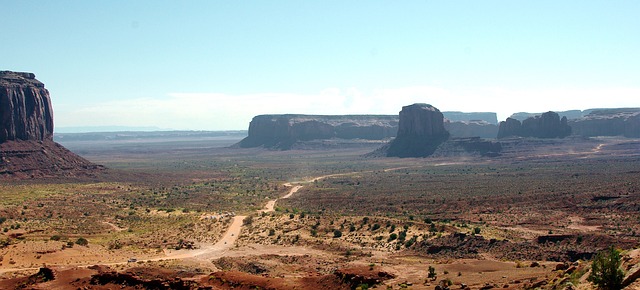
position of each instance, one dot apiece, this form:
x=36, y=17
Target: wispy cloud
x=218, y=111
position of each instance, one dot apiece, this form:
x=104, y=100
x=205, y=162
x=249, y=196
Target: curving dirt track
x=226, y=242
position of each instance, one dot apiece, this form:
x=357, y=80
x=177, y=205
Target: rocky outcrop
x=25, y=108
x=609, y=122
x=27, y=149
x=570, y=114
x=547, y=125
x=474, y=128
x=282, y=131
x=509, y=127
x=420, y=131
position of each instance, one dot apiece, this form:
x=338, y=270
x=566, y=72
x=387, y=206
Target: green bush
x=82, y=241
x=605, y=270
x=432, y=273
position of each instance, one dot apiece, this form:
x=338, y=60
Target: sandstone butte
x=27, y=149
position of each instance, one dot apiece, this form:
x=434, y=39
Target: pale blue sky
x=211, y=65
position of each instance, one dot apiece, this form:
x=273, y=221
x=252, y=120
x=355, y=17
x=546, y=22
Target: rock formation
x=25, y=108
x=609, y=122
x=420, y=131
x=473, y=128
x=547, y=125
x=26, y=133
x=282, y=131
x=570, y=114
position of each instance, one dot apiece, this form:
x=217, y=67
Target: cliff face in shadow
x=466, y=129
x=25, y=108
x=27, y=149
x=609, y=122
x=547, y=125
x=420, y=132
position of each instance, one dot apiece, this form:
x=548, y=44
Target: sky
x=213, y=65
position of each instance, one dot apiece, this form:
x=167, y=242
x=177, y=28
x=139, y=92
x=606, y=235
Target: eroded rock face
x=27, y=149
x=25, y=108
x=547, y=125
x=420, y=131
x=282, y=131
x=609, y=122
x=466, y=129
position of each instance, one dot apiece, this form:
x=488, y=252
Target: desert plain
x=184, y=214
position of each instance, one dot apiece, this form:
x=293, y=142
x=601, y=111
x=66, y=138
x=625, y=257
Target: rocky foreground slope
x=26, y=133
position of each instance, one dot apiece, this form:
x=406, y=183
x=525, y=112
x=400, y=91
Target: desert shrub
x=476, y=231
x=432, y=273
x=375, y=227
x=337, y=234
x=605, y=270
x=247, y=221
x=272, y=232
x=82, y=241
x=115, y=245
x=402, y=236
x=55, y=238
x=410, y=242
x=392, y=237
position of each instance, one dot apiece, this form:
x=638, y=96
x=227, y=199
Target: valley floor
x=332, y=219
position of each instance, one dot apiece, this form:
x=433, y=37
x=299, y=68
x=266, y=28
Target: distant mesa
x=471, y=128
x=455, y=116
x=608, y=122
x=595, y=122
x=283, y=131
x=27, y=148
x=547, y=125
x=570, y=114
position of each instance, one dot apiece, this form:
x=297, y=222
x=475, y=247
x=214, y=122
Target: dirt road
x=226, y=243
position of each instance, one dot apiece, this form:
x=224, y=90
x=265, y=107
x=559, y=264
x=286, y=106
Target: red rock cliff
x=25, y=108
